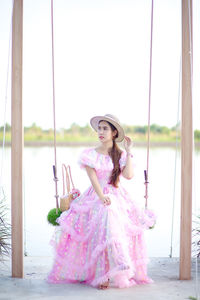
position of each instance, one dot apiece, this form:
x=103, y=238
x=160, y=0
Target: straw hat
x=113, y=120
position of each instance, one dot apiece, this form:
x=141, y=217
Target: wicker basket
x=67, y=198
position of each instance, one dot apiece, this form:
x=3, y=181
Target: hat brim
x=95, y=122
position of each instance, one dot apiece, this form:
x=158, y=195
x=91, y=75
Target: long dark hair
x=115, y=153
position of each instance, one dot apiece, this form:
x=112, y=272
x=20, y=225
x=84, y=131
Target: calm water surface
x=39, y=193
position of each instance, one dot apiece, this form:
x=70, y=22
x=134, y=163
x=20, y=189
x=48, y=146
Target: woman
x=101, y=235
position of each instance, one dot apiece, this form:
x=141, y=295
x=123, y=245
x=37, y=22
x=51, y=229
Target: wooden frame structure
x=17, y=142
x=186, y=142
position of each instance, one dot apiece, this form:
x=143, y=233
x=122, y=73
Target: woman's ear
x=115, y=133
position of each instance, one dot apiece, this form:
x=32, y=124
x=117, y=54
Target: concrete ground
x=164, y=272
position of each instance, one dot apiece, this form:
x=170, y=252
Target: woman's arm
x=95, y=183
x=127, y=171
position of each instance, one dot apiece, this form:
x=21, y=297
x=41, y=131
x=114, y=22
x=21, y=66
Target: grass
x=5, y=231
x=196, y=236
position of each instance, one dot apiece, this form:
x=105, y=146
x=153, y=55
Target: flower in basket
x=75, y=193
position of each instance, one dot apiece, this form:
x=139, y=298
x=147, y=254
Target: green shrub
x=197, y=135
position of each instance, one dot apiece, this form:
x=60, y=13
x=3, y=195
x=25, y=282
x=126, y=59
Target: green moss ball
x=52, y=216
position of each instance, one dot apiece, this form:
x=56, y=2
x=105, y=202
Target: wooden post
x=186, y=143
x=17, y=142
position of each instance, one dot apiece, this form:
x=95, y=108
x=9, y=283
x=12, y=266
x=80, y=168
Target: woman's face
x=105, y=132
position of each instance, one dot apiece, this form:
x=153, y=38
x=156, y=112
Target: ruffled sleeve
x=87, y=158
x=122, y=161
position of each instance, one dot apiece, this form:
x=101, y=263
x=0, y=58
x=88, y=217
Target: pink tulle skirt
x=96, y=242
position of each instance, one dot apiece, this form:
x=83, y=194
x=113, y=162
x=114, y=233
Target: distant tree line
x=77, y=130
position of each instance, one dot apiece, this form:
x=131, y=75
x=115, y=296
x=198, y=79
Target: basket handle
x=70, y=175
x=66, y=180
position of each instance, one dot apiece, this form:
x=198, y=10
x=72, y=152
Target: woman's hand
x=127, y=143
x=106, y=200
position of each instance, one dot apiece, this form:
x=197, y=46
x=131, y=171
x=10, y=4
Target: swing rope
x=146, y=172
x=6, y=100
x=54, y=110
x=175, y=159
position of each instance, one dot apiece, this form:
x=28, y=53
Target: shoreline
x=79, y=144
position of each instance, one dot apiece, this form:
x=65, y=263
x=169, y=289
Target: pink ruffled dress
x=96, y=242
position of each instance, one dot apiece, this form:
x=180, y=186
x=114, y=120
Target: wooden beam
x=186, y=143
x=17, y=142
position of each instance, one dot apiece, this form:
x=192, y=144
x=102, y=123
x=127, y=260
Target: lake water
x=39, y=193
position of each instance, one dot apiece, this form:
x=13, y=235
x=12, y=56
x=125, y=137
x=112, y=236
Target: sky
x=101, y=61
